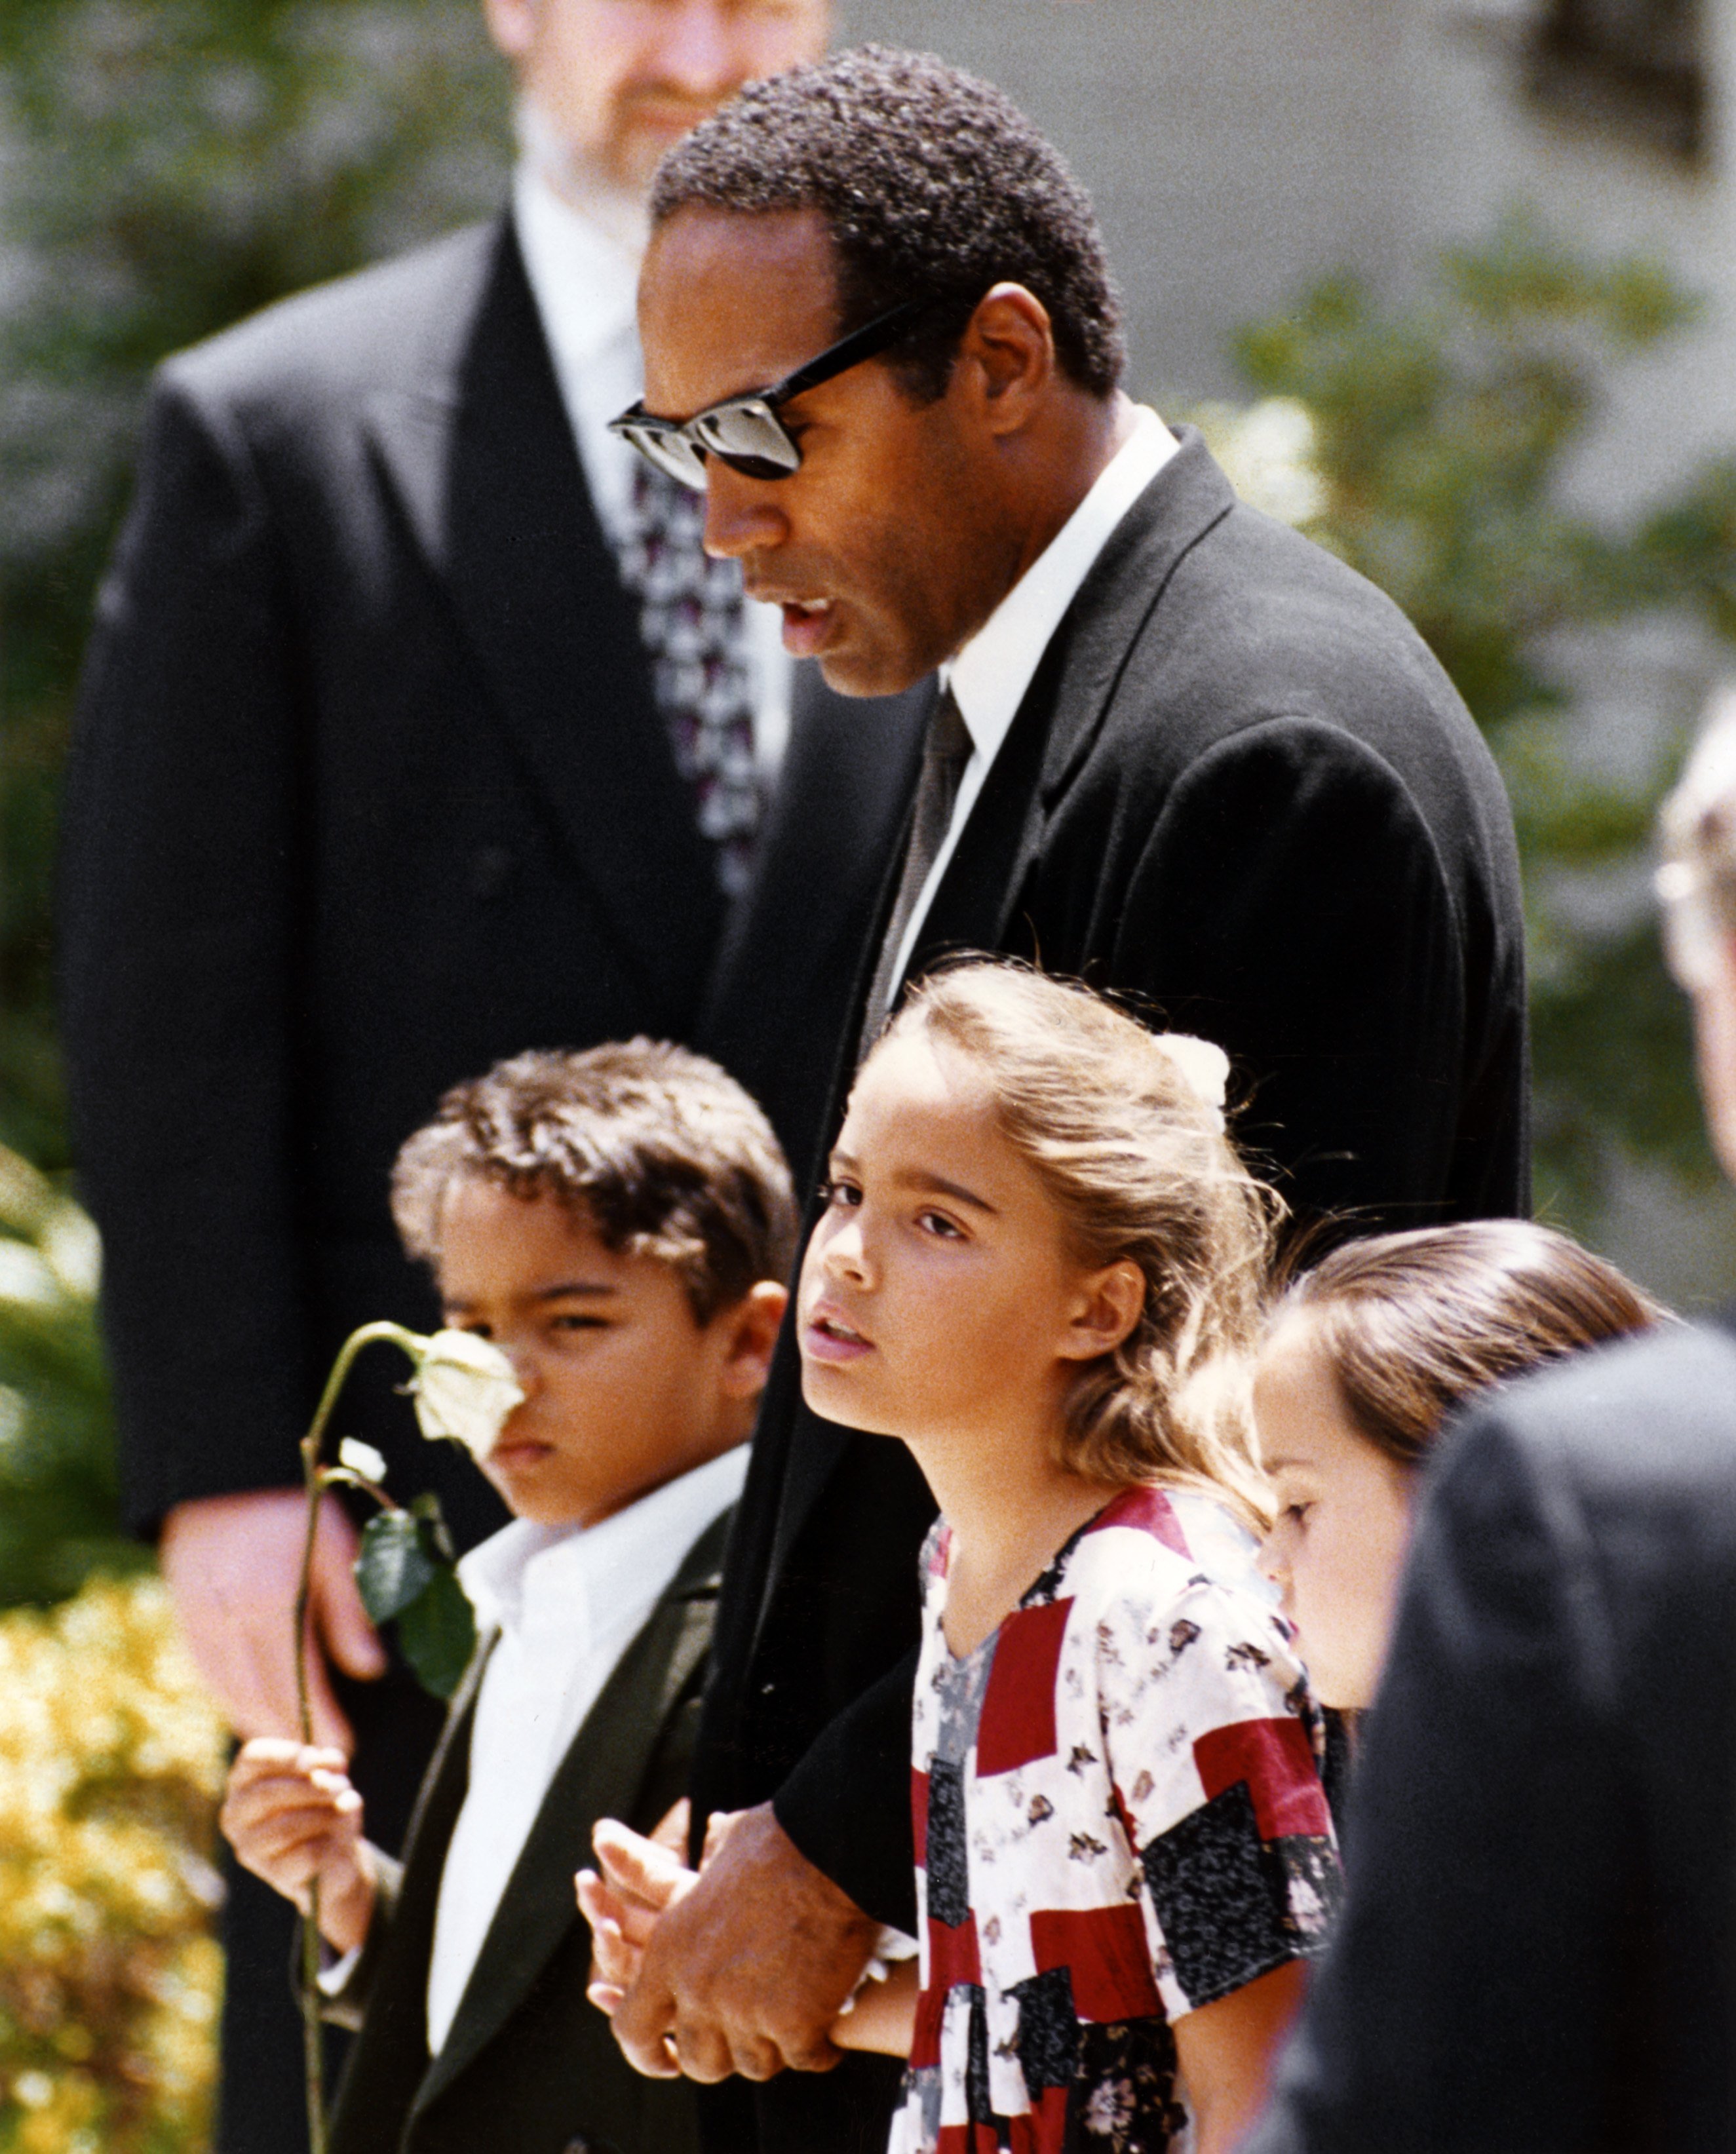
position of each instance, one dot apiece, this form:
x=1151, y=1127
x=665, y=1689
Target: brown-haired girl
x=1366, y=1356
x=1039, y=1259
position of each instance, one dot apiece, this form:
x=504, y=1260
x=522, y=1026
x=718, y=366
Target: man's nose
x=741, y=515
x=699, y=49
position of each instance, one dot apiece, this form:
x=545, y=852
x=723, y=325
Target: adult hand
x=746, y=1969
x=232, y=1564
x=291, y=1815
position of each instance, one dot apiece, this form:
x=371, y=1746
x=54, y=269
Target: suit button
x=491, y=870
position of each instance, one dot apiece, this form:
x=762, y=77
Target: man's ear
x=1110, y=1303
x=1008, y=351
x=754, y=1323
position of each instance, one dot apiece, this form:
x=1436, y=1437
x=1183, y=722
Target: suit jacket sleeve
x=1291, y=905
x=346, y=1986
x=846, y=1805
x=178, y=864
x=1467, y=2001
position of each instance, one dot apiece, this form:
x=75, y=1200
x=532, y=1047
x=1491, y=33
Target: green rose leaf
x=396, y=1565
x=404, y=1575
x=437, y=1631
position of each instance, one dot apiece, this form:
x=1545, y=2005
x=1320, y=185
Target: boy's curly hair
x=658, y=1150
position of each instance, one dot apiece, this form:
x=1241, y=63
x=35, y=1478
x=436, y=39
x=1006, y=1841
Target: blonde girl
x=1367, y=1355
x=1039, y=1260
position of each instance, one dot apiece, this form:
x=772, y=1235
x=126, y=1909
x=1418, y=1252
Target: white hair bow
x=1204, y=1069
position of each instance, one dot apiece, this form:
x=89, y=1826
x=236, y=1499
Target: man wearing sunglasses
x=1180, y=753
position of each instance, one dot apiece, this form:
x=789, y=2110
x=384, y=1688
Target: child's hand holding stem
x=291, y=1816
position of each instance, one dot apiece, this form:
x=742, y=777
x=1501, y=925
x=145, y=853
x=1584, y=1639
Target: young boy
x=620, y=1221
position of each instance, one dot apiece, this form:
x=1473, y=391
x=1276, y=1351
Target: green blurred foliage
x=58, y=1494
x=168, y=167
x=1440, y=427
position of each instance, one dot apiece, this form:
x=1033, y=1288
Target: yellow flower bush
x=111, y=1762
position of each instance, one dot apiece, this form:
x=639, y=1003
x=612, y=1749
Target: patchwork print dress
x=1119, y=1817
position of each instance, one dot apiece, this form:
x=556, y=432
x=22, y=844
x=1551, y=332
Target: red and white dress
x=1119, y=1817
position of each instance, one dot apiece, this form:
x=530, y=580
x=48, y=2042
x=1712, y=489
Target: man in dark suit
x=1182, y=752
x=1538, y=1950
x=390, y=762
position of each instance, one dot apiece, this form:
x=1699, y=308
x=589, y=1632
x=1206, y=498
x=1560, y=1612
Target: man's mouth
x=807, y=625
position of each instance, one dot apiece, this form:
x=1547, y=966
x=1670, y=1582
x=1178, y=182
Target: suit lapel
x=1062, y=712
x=482, y=462
x=600, y=1777
x=389, y=2057
x=977, y=905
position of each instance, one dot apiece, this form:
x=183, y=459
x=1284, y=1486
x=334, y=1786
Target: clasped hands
x=742, y=1965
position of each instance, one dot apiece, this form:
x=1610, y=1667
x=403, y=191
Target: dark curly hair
x=656, y=1149
x=933, y=184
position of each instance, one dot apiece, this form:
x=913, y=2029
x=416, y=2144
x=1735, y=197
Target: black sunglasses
x=745, y=432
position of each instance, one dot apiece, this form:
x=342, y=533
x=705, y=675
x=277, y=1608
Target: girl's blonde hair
x=1125, y=1129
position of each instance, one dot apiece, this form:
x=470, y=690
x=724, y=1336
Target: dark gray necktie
x=945, y=753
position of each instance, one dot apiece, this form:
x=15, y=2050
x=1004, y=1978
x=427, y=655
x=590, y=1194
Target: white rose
x=361, y=1458
x=464, y=1388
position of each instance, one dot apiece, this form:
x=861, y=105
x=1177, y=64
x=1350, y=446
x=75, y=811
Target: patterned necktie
x=693, y=624
x=946, y=751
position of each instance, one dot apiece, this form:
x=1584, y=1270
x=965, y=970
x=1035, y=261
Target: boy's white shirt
x=568, y=1601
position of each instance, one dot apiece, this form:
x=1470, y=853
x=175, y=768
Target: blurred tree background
x=1437, y=433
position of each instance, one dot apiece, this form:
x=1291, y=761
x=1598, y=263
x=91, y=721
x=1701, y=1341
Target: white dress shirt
x=990, y=675
x=568, y=1601
x=584, y=272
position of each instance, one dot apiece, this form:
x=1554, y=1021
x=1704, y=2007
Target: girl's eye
x=1298, y=1512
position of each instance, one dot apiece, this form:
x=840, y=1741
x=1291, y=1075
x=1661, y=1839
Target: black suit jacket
x=529, y=2063
x=1538, y=1950
x=1240, y=788
x=367, y=790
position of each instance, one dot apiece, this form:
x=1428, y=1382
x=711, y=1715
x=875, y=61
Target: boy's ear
x=754, y=1323
x=1110, y=1303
